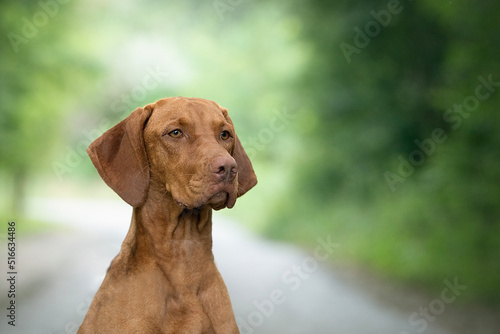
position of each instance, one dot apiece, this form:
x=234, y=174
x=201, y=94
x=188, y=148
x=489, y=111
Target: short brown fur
x=164, y=280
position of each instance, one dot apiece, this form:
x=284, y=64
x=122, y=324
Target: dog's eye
x=225, y=135
x=175, y=133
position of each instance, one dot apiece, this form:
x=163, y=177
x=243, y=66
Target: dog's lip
x=219, y=200
x=221, y=192
x=219, y=196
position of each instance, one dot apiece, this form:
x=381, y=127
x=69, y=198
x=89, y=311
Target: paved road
x=275, y=288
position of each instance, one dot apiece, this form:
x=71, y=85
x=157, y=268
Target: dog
x=173, y=161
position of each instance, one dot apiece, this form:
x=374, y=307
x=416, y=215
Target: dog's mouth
x=221, y=195
x=219, y=200
x=222, y=198
x=217, y=197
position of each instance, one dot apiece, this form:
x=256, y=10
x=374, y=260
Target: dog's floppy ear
x=120, y=157
x=246, y=176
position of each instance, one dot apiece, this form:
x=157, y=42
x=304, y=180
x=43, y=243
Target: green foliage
x=442, y=218
x=39, y=75
x=360, y=103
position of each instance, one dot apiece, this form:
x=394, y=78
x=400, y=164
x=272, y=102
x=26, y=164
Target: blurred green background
x=370, y=121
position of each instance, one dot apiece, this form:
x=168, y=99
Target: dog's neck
x=171, y=235
x=165, y=220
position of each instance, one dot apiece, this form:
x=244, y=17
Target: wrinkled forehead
x=197, y=114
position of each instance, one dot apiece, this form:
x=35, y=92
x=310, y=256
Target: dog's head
x=184, y=146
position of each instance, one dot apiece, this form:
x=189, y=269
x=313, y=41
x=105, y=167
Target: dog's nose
x=224, y=167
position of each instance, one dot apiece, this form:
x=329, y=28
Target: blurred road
x=275, y=288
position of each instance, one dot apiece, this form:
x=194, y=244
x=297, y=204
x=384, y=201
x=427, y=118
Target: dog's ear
x=246, y=176
x=120, y=157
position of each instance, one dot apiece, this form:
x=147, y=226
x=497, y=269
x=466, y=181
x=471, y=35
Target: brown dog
x=174, y=161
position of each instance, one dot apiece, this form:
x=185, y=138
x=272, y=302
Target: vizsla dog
x=173, y=161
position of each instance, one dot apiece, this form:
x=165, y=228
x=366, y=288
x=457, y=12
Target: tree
x=39, y=67
x=401, y=135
